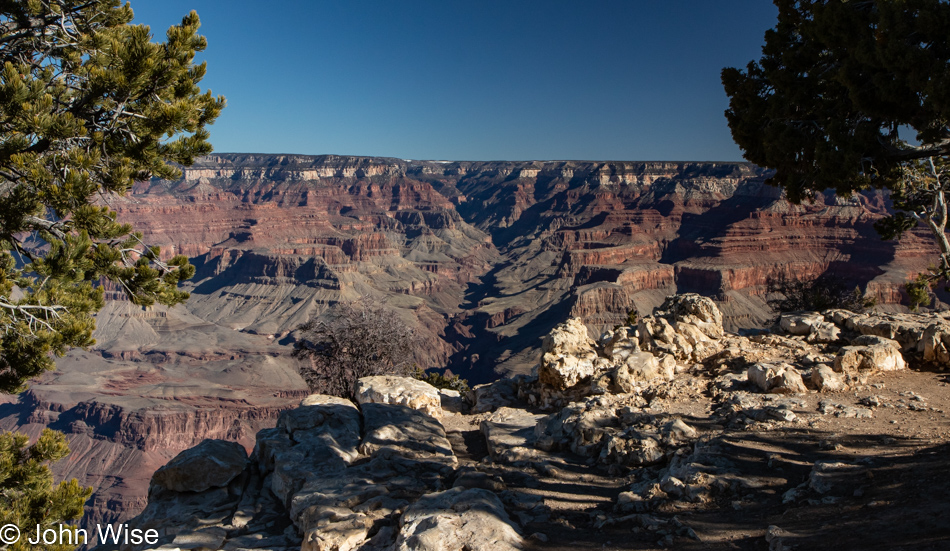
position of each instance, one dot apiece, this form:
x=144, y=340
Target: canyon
x=482, y=258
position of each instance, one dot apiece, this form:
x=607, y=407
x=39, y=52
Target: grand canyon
x=482, y=258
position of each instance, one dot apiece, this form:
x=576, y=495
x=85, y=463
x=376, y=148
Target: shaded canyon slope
x=483, y=258
x=487, y=256
x=156, y=382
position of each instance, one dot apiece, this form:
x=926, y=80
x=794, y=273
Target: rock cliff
x=157, y=382
x=487, y=254
x=487, y=257
x=650, y=437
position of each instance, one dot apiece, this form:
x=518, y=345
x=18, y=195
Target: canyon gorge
x=482, y=258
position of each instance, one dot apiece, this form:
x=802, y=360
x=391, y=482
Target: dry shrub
x=353, y=340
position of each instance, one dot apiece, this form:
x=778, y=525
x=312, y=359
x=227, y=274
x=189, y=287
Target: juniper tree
x=88, y=105
x=837, y=83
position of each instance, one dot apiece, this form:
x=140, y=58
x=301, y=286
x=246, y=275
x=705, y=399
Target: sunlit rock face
x=480, y=254
x=482, y=258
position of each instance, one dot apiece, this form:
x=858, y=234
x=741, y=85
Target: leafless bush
x=353, y=340
x=788, y=294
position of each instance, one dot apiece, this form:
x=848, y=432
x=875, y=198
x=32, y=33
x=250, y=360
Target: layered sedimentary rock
x=484, y=258
x=157, y=382
x=384, y=476
x=278, y=239
x=486, y=255
x=596, y=240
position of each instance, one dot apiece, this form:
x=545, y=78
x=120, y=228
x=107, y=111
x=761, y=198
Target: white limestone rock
x=473, y=519
x=567, y=356
x=404, y=391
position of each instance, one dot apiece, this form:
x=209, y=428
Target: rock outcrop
x=161, y=381
x=687, y=327
x=386, y=389
x=383, y=474
x=567, y=356
x=210, y=464
x=483, y=258
x=315, y=483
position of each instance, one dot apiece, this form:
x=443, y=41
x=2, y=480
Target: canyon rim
x=485, y=258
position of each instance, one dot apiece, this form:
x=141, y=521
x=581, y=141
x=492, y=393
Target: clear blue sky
x=473, y=80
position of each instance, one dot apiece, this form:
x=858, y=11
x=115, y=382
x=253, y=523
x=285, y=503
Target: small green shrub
x=920, y=289
x=633, y=317
x=439, y=380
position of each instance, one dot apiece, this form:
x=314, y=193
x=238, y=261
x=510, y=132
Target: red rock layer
x=484, y=258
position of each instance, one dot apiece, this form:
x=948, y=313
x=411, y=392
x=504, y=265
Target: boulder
x=579, y=427
x=697, y=310
x=777, y=378
x=491, y=396
x=632, y=448
x=346, y=534
x=451, y=400
x=800, y=323
x=320, y=437
x=473, y=519
x=404, y=391
x=688, y=327
x=677, y=432
x=638, y=369
x=824, y=332
x=935, y=344
x=812, y=325
x=329, y=421
x=210, y=464
x=883, y=356
x=510, y=435
x=406, y=432
x=567, y=356
x=621, y=344
x=825, y=379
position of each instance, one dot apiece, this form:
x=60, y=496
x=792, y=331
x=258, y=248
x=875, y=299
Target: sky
x=467, y=80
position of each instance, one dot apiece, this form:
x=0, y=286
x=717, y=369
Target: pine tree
x=27, y=494
x=88, y=105
x=837, y=83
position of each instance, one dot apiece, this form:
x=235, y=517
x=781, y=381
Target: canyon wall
x=486, y=255
x=483, y=258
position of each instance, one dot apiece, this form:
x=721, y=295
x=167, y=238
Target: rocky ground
x=672, y=434
x=484, y=258
x=890, y=495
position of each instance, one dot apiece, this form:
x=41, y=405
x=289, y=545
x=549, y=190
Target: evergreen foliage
x=919, y=291
x=27, y=494
x=633, y=317
x=88, y=105
x=441, y=380
x=836, y=83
